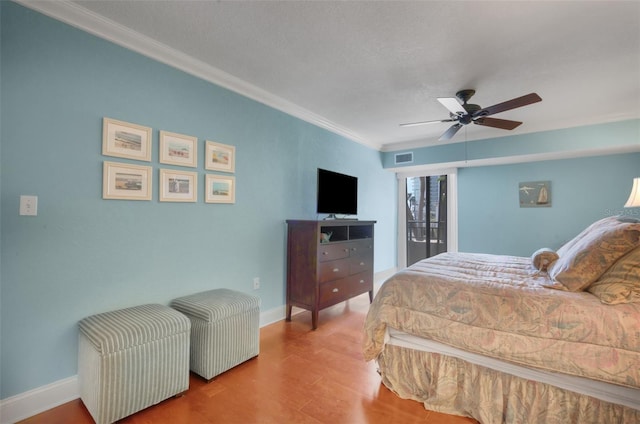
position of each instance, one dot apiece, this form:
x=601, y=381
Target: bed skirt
x=454, y=386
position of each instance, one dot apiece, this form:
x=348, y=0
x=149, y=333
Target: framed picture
x=125, y=140
x=220, y=157
x=535, y=194
x=178, y=186
x=178, y=149
x=220, y=189
x=125, y=181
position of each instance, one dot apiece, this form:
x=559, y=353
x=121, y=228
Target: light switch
x=29, y=205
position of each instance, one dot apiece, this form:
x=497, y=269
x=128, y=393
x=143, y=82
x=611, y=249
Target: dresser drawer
x=362, y=282
x=330, y=252
x=361, y=248
x=360, y=264
x=339, y=290
x=333, y=270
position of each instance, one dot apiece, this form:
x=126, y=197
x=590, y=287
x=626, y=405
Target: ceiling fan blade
x=503, y=124
x=453, y=105
x=508, y=105
x=453, y=129
x=414, y=124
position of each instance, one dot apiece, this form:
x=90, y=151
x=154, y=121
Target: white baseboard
x=40, y=399
x=272, y=315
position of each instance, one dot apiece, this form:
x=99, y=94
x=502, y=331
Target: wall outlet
x=256, y=283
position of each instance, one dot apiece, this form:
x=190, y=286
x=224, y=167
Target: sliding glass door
x=426, y=217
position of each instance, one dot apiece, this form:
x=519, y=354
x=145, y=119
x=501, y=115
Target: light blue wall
x=583, y=190
x=83, y=255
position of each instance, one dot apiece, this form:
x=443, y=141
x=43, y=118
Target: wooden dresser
x=328, y=262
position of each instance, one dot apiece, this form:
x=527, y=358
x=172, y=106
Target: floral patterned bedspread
x=497, y=306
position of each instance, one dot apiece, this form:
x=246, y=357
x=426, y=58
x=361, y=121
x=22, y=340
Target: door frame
x=452, y=209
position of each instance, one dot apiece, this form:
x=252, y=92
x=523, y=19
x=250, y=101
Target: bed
x=551, y=338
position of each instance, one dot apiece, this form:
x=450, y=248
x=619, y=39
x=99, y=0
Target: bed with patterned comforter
x=575, y=314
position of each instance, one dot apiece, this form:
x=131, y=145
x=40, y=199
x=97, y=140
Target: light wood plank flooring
x=301, y=376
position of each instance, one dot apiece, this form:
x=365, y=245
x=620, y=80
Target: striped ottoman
x=225, y=329
x=131, y=359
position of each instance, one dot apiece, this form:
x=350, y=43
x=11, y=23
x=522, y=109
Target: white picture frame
x=126, y=181
x=178, y=149
x=220, y=188
x=126, y=140
x=178, y=186
x=220, y=157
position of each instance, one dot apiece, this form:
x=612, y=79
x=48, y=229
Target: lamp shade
x=634, y=197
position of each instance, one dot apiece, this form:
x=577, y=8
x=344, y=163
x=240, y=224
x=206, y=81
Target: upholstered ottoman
x=132, y=358
x=225, y=329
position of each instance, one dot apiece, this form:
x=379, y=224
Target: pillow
x=542, y=258
x=596, y=226
x=621, y=282
x=592, y=252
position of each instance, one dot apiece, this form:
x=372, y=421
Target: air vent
x=404, y=158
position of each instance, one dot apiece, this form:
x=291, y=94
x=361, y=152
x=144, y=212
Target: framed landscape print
x=125, y=181
x=178, y=186
x=220, y=157
x=220, y=189
x=125, y=140
x=178, y=149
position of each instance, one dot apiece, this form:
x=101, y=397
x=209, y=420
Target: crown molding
x=92, y=23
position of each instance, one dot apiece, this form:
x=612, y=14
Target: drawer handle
x=325, y=253
x=335, y=290
x=345, y=250
x=354, y=249
x=336, y=269
x=361, y=263
x=361, y=281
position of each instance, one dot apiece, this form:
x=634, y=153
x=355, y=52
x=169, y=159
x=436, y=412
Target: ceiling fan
x=465, y=113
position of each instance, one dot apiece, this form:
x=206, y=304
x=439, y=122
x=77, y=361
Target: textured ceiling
x=362, y=68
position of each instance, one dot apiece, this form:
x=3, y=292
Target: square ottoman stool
x=132, y=358
x=225, y=329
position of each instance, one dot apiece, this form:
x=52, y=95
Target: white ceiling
x=360, y=68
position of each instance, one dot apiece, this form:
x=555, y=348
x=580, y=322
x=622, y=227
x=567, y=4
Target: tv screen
x=337, y=193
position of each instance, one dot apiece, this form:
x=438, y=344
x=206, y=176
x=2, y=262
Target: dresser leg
x=314, y=319
x=289, y=307
x=370, y=296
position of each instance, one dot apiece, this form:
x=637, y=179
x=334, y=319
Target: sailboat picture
x=535, y=194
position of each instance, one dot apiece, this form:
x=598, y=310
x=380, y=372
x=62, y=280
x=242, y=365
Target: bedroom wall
x=583, y=190
x=590, y=168
x=83, y=255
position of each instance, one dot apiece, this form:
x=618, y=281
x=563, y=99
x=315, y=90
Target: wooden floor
x=301, y=376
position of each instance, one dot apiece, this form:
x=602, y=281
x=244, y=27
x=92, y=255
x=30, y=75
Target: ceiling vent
x=402, y=158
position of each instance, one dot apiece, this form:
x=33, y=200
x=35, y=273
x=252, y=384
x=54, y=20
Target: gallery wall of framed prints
x=127, y=181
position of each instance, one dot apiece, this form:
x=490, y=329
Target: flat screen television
x=337, y=193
